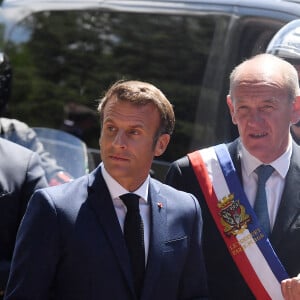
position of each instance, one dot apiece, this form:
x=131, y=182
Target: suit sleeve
x=193, y=284
x=20, y=133
x=35, y=179
x=29, y=177
x=36, y=251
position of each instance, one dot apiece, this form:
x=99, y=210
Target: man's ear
x=161, y=144
x=231, y=109
x=296, y=110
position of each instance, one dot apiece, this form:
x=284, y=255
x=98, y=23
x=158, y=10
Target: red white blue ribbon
x=237, y=222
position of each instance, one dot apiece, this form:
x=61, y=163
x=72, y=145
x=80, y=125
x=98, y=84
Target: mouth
x=118, y=158
x=258, y=135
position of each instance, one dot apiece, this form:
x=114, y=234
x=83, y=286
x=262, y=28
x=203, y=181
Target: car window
x=63, y=61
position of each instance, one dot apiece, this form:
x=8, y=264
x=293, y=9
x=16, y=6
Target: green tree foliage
x=72, y=58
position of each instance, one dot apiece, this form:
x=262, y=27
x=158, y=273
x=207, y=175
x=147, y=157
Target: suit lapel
x=290, y=200
x=235, y=156
x=158, y=231
x=99, y=198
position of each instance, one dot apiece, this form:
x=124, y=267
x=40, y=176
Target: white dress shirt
x=274, y=185
x=116, y=190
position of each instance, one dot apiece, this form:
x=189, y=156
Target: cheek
x=104, y=142
x=101, y=141
x=281, y=120
x=238, y=119
x=234, y=119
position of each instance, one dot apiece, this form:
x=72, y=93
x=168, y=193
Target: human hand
x=290, y=288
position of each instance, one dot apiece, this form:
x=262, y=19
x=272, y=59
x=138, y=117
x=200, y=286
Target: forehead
x=256, y=90
x=256, y=81
x=120, y=109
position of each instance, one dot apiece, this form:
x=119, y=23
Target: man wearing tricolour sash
x=249, y=247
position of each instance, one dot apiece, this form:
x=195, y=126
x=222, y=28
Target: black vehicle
x=66, y=53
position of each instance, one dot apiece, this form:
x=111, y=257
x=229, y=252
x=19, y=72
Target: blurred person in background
x=20, y=175
x=286, y=45
x=20, y=133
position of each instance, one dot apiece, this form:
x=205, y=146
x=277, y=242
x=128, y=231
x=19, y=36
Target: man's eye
x=242, y=109
x=111, y=128
x=267, y=107
x=133, y=132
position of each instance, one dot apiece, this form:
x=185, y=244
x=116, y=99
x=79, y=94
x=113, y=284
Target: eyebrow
x=272, y=100
x=110, y=120
x=268, y=100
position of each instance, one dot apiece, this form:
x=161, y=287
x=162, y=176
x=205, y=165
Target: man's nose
x=254, y=117
x=120, y=139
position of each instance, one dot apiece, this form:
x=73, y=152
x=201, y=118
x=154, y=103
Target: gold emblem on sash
x=233, y=215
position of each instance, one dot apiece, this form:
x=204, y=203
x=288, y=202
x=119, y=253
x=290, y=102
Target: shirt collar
x=250, y=163
x=116, y=190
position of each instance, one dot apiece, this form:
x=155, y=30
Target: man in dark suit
x=20, y=175
x=263, y=102
x=71, y=245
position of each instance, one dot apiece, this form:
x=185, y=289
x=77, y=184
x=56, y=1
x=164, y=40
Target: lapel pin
x=160, y=205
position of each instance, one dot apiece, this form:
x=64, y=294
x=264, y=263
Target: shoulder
x=182, y=161
x=13, y=124
x=20, y=167
x=295, y=159
x=65, y=199
x=11, y=149
x=185, y=160
x=295, y=146
x=165, y=188
x=72, y=193
x=172, y=194
x=67, y=189
x=179, y=167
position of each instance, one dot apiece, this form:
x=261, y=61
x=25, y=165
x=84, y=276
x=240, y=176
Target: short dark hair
x=142, y=93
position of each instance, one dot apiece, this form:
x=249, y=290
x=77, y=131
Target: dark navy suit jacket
x=70, y=246
x=224, y=279
x=20, y=175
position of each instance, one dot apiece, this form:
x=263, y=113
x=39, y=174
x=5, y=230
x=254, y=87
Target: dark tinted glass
x=63, y=61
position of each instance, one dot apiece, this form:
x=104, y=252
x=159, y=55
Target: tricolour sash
x=237, y=222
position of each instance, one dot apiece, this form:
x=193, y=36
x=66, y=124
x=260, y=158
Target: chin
x=262, y=152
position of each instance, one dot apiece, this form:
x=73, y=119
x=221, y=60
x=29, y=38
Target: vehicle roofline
x=13, y=11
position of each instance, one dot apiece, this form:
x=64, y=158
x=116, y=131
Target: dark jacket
x=20, y=175
x=71, y=244
x=224, y=279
